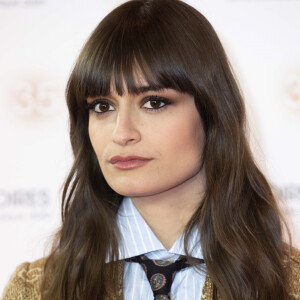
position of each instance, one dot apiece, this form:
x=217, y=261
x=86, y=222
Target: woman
x=162, y=167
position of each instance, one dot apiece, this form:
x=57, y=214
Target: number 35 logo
x=38, y=98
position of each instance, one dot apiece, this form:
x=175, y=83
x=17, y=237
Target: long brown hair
x=173, y=46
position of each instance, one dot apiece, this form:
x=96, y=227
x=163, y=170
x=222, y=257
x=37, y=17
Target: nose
x=126, y=129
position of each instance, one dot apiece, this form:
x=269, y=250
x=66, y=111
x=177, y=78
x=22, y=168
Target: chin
x=134, y=190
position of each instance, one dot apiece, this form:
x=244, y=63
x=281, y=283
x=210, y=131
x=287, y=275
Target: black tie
x=161, y=273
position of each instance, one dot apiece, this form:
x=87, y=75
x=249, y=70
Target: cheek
x=98, y=138
x=183, y=139
x=93, y=135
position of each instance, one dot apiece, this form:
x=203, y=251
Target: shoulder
x=293, y=271
x=25, y=282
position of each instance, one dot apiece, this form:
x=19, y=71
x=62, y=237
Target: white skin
x=168, y=130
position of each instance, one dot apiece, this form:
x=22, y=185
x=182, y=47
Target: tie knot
x=166, y=265
x=160, y=273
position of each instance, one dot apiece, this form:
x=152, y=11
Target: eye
x=100, y=106
x=155, y=102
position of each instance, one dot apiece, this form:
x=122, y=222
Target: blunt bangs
x=138, y=45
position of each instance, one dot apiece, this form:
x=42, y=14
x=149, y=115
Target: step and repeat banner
x=39, y=42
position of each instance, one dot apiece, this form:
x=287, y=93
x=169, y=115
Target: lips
x=129, y=162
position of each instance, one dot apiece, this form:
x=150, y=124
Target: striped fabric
x=138, y=239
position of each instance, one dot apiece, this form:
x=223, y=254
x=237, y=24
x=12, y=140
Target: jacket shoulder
x=25, y=282
x=294, y=273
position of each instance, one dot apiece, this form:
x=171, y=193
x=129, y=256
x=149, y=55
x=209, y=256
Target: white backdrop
x=39, y=42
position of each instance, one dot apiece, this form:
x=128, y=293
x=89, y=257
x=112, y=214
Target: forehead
x=134, y=80
x=134, y=83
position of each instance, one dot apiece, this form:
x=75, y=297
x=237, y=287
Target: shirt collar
x=138, y=238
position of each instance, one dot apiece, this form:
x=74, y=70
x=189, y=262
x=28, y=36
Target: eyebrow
x=141, y=90
x=148, y=88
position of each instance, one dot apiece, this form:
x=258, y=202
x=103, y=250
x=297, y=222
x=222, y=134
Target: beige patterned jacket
x=25, y=283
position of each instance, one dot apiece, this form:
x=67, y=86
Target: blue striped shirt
x=138, y=238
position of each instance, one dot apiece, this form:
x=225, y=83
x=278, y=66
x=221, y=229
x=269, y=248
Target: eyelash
x=165, y=101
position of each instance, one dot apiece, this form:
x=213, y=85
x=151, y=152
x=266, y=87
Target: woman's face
x=146, y=143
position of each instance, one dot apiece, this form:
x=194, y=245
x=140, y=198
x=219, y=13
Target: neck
x=168, y=213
